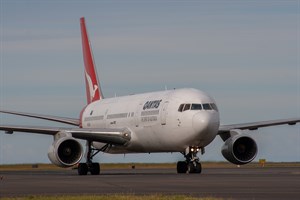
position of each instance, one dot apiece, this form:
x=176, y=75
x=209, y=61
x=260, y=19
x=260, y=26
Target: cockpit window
x=196, y=106
x=206, y=106
x=187, y=107
x=214, y=106
x=180, y=108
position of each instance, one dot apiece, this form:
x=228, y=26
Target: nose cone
x=206, y=125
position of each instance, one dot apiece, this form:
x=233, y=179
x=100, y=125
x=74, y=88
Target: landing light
x=194, y=149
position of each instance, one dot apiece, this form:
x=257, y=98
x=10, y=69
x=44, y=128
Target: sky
x=243, y=53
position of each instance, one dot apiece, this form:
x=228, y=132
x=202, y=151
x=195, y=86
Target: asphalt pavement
x=233, y=183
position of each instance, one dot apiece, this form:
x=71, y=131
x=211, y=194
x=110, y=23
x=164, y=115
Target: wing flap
x=105, y=135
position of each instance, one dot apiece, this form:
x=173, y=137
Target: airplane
x=180, y=120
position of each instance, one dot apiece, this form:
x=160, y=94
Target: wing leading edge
x=110, y=136
x=64, y=120
x=224, y=130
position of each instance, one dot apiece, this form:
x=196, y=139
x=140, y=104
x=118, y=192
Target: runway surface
x=233, y=183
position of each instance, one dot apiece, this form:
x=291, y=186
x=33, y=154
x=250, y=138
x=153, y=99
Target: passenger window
x=187, y=107
x=196, y=107
x=180, y=108
x=206, y=106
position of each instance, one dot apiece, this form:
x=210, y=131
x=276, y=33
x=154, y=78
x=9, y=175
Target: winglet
x=93, y=89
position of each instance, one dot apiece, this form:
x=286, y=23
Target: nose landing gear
x=192, y=163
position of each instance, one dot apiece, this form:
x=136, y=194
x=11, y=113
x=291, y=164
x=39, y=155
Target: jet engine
x=239, y=149
x=65, y=152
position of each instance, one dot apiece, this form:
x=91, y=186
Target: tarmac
x=227, y=183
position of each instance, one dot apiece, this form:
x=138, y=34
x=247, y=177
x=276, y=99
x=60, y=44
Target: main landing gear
x=84, y=168
x=192, y=164
x=89, y=166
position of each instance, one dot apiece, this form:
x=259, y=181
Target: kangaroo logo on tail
x=92, y=88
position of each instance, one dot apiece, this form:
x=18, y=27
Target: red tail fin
x=93, y=90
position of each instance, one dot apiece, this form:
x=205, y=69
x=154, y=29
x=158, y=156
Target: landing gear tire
x=95, y=169
x=89, y=166
x=195, y=168
x=82, y=169
x=182, y=167
x=191, y=164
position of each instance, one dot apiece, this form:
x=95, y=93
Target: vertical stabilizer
x=93, y=89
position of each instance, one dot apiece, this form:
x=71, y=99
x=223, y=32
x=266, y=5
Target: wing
x=64, y=120
x=224, y=130
x=105, y=135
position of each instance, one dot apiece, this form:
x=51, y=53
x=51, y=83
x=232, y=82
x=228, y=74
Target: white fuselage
x=166, y=121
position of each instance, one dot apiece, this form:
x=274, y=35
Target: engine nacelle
x=239, y=149
x=65, y=152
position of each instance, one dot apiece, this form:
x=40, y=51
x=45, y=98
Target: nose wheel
x=195, y=167
x=192, y=164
